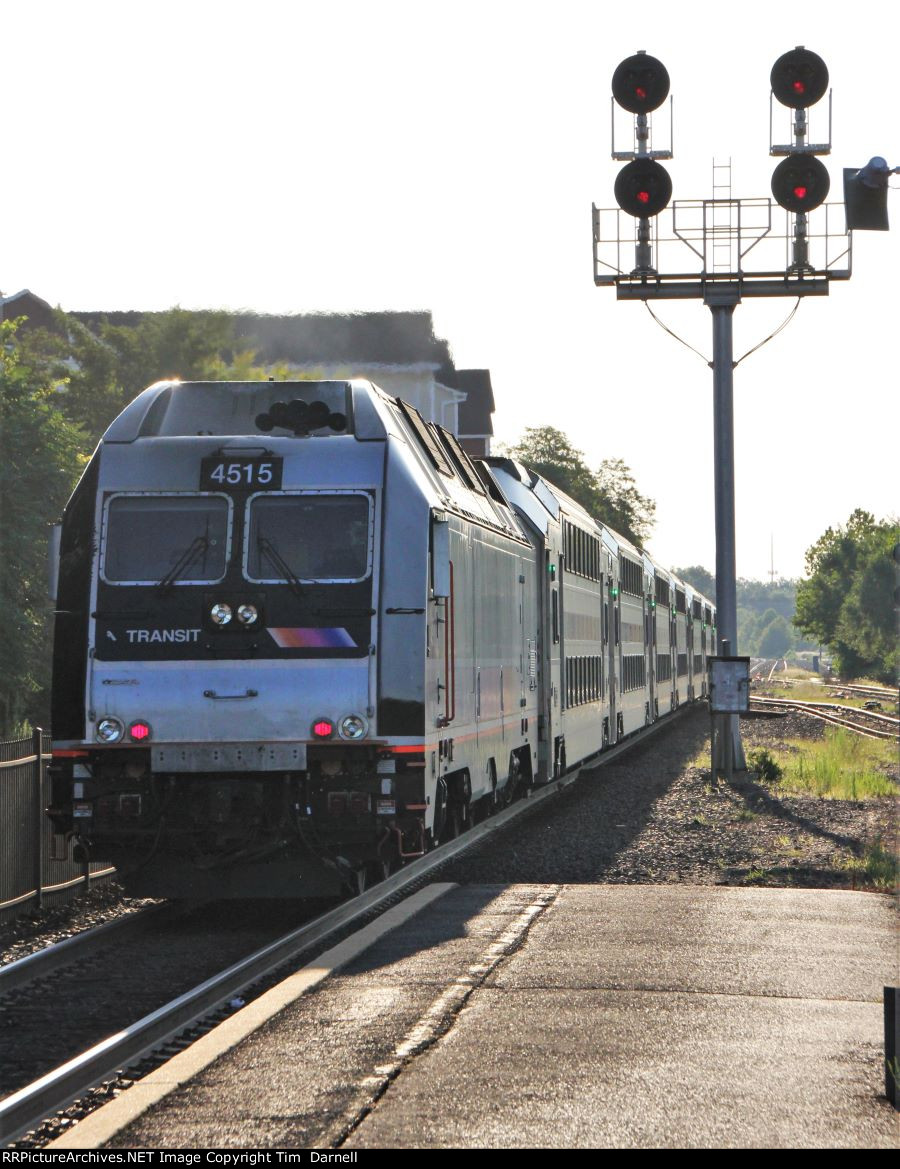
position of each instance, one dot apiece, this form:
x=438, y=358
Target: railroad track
x=882, y=692
x=174, y=1025
x=69, y=997
x=887, y=726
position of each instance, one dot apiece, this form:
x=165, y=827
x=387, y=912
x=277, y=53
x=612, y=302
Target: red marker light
x=139, y=731
x=800, y=192
x=799, y=87
x=641, y=93
x=323, y=729
x=643, y=196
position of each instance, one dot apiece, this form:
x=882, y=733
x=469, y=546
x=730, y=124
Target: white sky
x=299, y=156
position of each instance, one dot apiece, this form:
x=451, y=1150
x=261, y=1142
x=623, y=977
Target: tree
x=629, y=512
x=847, y=601
x=775, y=638
x=41, y=460
x=700, y=578
x=610, y=494
x=104, y=368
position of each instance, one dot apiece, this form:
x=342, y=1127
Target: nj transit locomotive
x=301, y=637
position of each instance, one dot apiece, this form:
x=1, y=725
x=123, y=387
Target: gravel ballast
x=655, y=816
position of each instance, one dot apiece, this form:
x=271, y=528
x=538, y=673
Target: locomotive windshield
x=308, y=537
x=164, y=539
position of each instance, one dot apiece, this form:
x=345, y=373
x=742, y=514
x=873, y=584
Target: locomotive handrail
x=224, y=697
x=450, y=654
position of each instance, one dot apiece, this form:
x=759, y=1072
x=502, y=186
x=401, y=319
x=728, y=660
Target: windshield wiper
x=198, y=543
x=268, y=548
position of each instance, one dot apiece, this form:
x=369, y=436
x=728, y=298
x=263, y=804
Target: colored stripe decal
x=308, y=638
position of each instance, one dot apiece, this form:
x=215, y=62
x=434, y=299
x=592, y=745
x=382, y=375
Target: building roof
x=475, y=414
x=380, y=338
x=377, y=338
x=24, y=303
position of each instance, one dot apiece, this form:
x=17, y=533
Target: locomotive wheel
x=377, y=871
x=387, y=862
x=357, y=881
x=515, y=777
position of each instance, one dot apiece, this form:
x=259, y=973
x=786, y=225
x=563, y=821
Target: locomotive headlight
x=247, y=614
x=220, y=614
x=110, y=730
x=352, y=727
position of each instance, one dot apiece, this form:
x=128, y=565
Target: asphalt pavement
x=577, y=1016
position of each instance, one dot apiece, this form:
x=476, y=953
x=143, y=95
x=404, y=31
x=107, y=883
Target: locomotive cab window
x=165, y=539
x=308, y=536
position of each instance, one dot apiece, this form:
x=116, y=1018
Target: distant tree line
x=847, y=603
x=765, y=613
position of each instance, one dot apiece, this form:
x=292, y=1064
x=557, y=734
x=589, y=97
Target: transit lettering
x=153, y=636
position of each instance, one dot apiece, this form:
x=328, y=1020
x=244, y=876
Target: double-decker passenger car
x=301, y=637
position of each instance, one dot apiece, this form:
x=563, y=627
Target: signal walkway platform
x=534, y=1016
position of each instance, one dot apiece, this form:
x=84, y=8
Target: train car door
x=611, y=622
x=650, y=649
x=441, y=632
x=545, y=649
x=552, y=706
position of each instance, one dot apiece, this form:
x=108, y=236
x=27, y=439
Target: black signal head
x=640, y=83
x=800, y=182
x=799, y=78
x=643, y=188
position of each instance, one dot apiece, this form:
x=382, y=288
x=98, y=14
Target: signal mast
x=709, y=228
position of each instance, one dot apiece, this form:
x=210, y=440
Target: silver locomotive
x=301, y=638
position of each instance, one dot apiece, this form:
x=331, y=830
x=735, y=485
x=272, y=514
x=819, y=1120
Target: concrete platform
x=577, y=1016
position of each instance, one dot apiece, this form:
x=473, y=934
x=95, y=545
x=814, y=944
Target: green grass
x=842, y=766
x=813, y=692
x=877, y=866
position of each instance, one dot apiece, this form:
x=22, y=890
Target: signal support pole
x=728, y=751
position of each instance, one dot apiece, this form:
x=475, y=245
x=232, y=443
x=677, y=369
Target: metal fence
x=29, y=877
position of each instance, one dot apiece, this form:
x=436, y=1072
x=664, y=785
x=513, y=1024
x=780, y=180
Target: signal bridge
x=705, y=244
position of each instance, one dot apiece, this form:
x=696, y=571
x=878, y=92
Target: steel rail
x=813, y=709
x=43, y=963
x=870, y=691
x=27, y=1108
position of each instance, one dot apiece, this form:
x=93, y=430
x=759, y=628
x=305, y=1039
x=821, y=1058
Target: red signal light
x=643, y=188
x=139, y=730
x=800, y=182
x=799, y=78
x=640, y=83
x=323, y=728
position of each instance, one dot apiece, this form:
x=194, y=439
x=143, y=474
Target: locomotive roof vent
x=301, y=417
